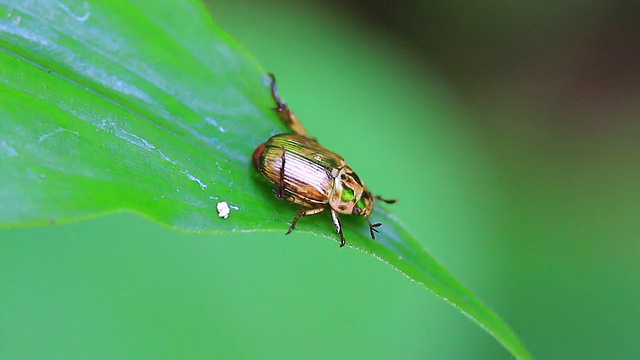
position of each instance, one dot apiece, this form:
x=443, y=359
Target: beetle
x=307, y=174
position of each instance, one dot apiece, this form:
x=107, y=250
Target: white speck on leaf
x=223, y=209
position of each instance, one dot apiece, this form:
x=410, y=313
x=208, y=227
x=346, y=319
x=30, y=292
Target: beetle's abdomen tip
x=256, y=156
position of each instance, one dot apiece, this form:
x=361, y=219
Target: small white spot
x=223, y=209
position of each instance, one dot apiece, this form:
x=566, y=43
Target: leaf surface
x=150, y=107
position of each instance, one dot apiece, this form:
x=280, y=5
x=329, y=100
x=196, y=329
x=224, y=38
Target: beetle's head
x=349, y=195
x=364, y=206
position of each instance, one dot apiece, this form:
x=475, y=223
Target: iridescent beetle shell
x=308, y=174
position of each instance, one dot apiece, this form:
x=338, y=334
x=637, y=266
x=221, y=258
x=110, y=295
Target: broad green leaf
x=150, y=107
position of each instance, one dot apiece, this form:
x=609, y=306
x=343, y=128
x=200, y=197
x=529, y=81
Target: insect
x=308, y=174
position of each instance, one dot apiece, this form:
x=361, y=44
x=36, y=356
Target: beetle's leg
x=336, y=222
x=301, y=214
x=388, y=201
x=284, y=112
x=372, y=229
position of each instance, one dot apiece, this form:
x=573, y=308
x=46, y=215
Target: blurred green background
x=510, y=134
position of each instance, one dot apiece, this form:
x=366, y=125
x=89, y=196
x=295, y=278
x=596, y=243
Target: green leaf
x=125, y=106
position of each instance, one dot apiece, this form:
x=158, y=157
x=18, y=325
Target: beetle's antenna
x=388, y=201
x=372, y=229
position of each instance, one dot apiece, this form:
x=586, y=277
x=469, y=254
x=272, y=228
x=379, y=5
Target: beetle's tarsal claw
x=293, y=226
x=295, y=221
x=342, y=240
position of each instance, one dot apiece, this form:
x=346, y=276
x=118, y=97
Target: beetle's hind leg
x=302, y=213
x=334, y=216
x=284, y=112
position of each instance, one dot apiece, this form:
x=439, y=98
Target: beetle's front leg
x=301, y=214
x=284, y=112
x=336, y=222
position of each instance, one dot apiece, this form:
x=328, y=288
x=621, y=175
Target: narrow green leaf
x=149, y=106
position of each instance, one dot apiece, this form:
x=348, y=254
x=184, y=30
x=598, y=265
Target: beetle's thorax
x=349, y=195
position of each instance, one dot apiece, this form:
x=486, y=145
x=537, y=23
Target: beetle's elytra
x=308, y=174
